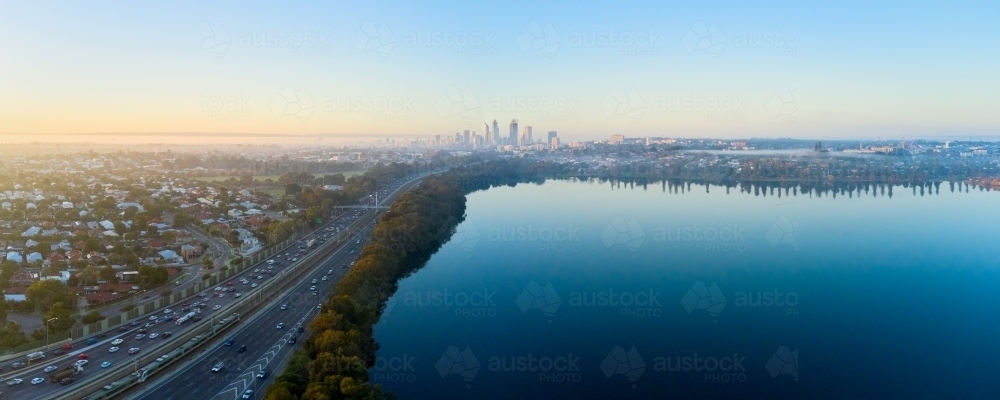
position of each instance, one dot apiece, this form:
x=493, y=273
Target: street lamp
x=47, y=331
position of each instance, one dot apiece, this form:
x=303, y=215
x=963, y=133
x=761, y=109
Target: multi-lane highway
x=100, y=353
x=267, y=345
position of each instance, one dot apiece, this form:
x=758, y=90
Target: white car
x=324, y=278
x=253, y=286
x=37, y=381
x=281, y=325
x=216, y=307
x=154, y=335
x=139, y=336
x=218, y=367
x=116, y=342
x=50, y=368
x=152, y=318
x=113, y=350
x=222, y=295
x=133, y=350
x=238, y=294
x=248, y=394
x=168, y=311
x=284, y=306
x=80, y=363
x=15, y=382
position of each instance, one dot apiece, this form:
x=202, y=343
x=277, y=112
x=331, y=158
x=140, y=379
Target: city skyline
x=683, y=70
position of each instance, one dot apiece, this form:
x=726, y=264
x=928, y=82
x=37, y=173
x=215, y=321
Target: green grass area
x=262, y=178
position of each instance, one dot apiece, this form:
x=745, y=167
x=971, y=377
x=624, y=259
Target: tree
x=108, y=274
x=47, y=293
x=11, y=335
x=208, y=264
x=92, y=317
x=292, y=189
x=61, y=313
x=3, y=309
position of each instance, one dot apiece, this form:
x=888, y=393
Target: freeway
x=267, y=345
x=214, y=298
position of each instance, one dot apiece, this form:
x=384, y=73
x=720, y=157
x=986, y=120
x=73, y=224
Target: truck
x=185, y=318
x=311, y=243
x=36, y=355
x=68, y=372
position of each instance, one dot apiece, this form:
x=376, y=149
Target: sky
x=846, y=69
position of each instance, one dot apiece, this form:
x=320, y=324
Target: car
x=169, y=318
x=253, y=286
x=168, y=311
x=80, y=363
x=37, y=381
x=313, y=288
x=319, y=306
x=17, y=365
x=314, y=281
x=122, y=329
x=105, y=364
x=291, y=340
x=15, y=382
x=216, y=307
x=281, y=325
x=300, y=329
x=152, y=318
x=139, y=336
x=262, y=374
x=242, y=349
x=141, y=330
x=82, y=356
x=117, y=342
x=113, y=350
x=295, y=259
x=330, y=272
x=166, y=335
x=218, y=366
x=315, y=293
x=133, y=350
x=260, y=276
x=229, y=284
x=284, y=306
x=324, y=278
x=154, y=335
x=237, y=295
x=248, y=394
x=222, y=295
x=229, y=342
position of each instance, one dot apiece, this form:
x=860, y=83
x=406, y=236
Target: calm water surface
x=591, y=290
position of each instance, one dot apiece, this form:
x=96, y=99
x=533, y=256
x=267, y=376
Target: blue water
x=878, y=297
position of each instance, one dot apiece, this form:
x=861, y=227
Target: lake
x=575, y=289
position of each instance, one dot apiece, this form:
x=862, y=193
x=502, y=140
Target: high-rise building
x=496, y=132
x=553, y=141
x=552, y=134
x=489, y=136
x=466, y=138
x=617, y=139
x=527, y=136
x=513, y=133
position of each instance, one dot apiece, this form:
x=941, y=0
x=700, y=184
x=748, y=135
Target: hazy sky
x=585, y=69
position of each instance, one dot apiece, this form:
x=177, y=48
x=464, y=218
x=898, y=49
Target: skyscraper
x=513, y=133
x=552, y=134
x=496, y=132
x=488, y=134
x=527, y=136
x=466, y=139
